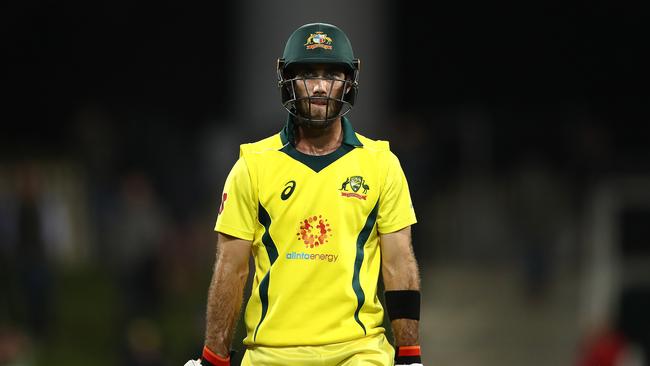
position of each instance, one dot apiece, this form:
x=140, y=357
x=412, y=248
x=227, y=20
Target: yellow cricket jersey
x=314, y=222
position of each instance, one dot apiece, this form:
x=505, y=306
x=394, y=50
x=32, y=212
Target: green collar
x=318, y=163
x=349, y=137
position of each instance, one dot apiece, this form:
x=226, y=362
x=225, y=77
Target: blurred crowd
x=107, y=249
x=105, y=252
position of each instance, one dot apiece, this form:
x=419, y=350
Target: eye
x=335, y=75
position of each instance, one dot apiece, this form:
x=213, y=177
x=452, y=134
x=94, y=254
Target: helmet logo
x=318, y=40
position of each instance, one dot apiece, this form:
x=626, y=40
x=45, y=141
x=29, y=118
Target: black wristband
x=403, y=304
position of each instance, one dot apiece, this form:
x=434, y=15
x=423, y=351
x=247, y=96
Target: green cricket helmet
x=324, y=44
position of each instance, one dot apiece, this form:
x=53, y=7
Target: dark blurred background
x=522, y=128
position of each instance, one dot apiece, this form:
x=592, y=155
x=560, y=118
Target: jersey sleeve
x=238, y=210
x=395, y=207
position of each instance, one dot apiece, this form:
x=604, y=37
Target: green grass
x=84, y=324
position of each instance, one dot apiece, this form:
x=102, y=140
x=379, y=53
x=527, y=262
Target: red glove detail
x=408, y=351
x=213, y=358
x=408, y=355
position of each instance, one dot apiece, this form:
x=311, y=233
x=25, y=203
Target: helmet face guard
x=300, y=106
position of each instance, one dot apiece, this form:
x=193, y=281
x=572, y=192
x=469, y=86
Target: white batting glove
x=193, y=363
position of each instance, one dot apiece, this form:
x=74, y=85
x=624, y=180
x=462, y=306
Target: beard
x=318, y=117
x=312, y=124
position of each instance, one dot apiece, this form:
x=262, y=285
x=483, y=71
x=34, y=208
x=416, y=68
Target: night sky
x=128, y=56
x=540, y=59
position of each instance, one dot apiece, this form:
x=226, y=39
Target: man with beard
x=322, y=209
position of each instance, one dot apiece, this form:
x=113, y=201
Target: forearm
x=400, y=273
x=224, y=304
x=405, y=331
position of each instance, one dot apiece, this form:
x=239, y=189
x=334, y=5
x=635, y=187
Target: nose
x=320, y=86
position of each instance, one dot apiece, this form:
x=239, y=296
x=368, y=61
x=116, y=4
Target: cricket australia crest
x=318, y=40
x=356, y=183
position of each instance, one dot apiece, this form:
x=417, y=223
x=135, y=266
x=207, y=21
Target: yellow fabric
x=322, y=285
x=372, y=350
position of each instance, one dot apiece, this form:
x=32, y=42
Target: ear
x=349, y=83
x=280, y=71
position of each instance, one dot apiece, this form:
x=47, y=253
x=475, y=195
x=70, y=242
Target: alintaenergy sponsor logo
x=314, y=231
x=312, y=257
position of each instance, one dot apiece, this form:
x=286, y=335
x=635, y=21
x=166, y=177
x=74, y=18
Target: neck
x=321, y=141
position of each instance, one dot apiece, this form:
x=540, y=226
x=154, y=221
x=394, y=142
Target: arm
x=400, y=272
x=226, y=291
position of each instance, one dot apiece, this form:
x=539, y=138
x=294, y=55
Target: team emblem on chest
x=355, y=183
